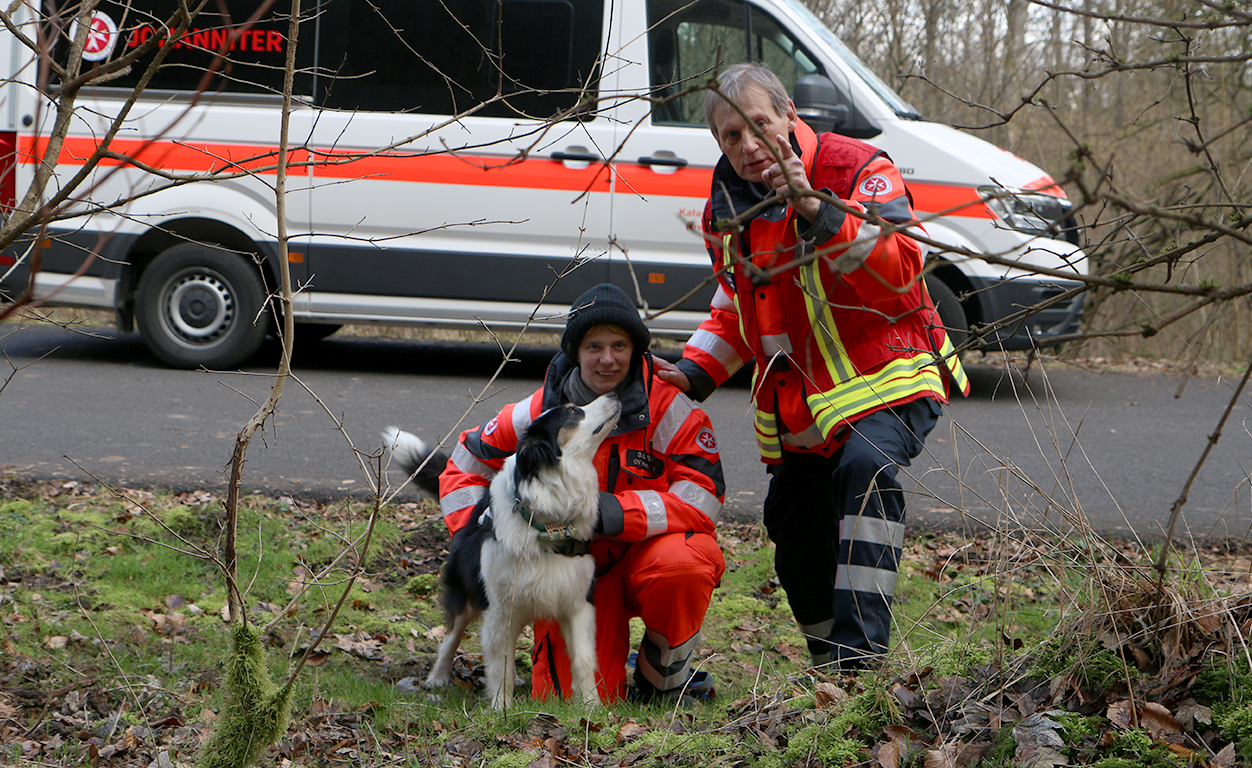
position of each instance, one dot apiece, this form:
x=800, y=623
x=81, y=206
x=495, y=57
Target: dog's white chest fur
x=536, y=586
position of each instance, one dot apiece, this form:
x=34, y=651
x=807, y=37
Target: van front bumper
x=999, y=299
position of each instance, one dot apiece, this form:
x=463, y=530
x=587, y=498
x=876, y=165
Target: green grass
x=126, y=604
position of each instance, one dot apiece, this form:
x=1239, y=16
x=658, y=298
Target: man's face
x=604, y=358
x=748, y=154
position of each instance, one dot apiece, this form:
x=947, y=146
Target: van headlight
x=1030, y=212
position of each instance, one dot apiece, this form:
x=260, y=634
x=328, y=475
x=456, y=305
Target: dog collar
x=559, y=535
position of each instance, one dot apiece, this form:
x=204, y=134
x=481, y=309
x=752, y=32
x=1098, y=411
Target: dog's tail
x=408, y=452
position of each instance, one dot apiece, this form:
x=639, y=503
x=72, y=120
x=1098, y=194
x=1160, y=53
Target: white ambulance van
x=429, y=185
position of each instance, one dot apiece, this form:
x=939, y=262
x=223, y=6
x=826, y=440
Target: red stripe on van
x=532, y=173
x=948, y=200
x=537, y=173
x=167, y=155
x=1046, y=185
x=684, y=182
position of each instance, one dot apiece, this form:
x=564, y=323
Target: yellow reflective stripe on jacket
x=826, y=334
x=852, y=393
x=849, y=394
x=897, y=380
x=728, y=241
x=767, y=439
x=953, y=361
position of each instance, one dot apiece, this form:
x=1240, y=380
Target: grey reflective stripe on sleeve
x=461, y=498
x=716, y=346
x=722, y=299
x=863, y=245
x=873, y=530
x=698, y=497
x=663, y=666
x=670, y=422
x=469, y=463
x=654, y=512
x=861, y=578
x=521, y=416
x=776, y=343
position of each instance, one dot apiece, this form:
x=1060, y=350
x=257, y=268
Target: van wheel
x=198, y=306
x=949, y=307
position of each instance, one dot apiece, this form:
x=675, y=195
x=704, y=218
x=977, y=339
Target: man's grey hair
x=733, y=81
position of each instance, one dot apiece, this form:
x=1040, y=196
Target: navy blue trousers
x=837, y=524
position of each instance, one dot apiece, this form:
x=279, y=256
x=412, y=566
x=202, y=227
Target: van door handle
x=576, y=157
x=675, y=162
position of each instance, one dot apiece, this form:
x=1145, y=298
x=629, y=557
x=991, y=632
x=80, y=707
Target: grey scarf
x=576, y=390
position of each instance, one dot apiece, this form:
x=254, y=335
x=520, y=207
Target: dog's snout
x=611, y=408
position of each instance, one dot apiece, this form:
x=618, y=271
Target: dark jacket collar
x=633, y=393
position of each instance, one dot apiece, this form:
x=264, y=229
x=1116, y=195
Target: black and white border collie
x=523, y=554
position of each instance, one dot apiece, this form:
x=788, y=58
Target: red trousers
x=667, y=581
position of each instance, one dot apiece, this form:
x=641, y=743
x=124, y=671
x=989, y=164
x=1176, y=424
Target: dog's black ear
x=536, y=454
x=539, y=447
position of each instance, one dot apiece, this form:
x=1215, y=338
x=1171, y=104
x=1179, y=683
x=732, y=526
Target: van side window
x=688, y=41
x=254, y=54
x=532, y=58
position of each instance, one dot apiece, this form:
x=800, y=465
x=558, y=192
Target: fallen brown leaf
x=828, y=694
x=1038, y=743
x=629, y=731
x=1189, y=713
x=1121, y=714
x=1225, y=758
x=1159, y=723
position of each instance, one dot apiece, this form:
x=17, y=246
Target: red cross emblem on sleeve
x=875, y=186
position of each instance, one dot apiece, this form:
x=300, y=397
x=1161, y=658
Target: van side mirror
x=817, y=103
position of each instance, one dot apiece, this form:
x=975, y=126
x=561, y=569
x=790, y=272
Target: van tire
x=197, y=305
x=951, y=314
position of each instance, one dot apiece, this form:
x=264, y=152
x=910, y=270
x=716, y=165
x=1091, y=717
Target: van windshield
x=894, y=101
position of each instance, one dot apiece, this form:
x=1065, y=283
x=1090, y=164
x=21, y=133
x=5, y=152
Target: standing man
x=661, y=487
x=851, y=361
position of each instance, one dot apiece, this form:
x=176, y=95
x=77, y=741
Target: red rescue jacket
x=831, y=344
x=661, y=463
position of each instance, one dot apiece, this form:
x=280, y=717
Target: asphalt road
x=1059, y=448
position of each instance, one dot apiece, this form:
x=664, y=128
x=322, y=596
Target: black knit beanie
x=606, y=304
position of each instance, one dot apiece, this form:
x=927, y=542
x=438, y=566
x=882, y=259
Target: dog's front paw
x=437, y=680
x=500, y=701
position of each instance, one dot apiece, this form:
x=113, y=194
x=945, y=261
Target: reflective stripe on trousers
x=838, y=527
